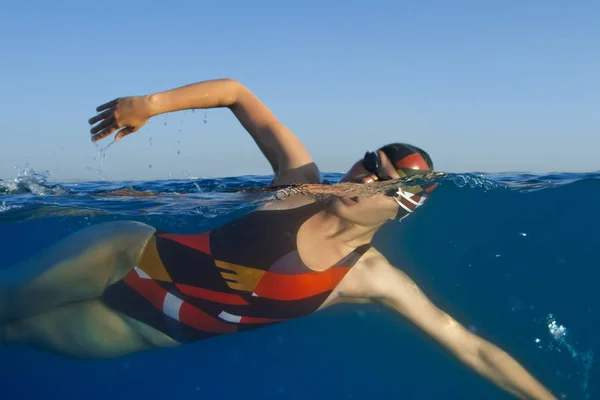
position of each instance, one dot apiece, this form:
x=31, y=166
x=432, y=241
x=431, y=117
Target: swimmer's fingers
x=107, y=105
x=103, y=125
x=124, y=132
x=125, y=113
x=112, y=128
x=104, y=133
x=99, y=117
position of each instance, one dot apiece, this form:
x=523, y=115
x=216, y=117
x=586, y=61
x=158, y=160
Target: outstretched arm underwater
x=287, y=156
x=383, y=283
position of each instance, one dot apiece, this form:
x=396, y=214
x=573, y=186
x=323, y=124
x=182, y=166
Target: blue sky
x=483, y=86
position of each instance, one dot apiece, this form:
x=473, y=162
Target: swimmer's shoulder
x=306, y=174
x=289, y=203
x=294, y=201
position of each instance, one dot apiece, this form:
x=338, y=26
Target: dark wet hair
x=408, y=159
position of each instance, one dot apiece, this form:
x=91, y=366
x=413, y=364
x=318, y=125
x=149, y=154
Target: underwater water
x=513, y=257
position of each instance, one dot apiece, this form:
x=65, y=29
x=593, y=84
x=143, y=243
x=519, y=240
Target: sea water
x=513, y=257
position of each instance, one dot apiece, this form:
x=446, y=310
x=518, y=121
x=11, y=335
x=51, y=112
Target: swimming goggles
x=372, y=163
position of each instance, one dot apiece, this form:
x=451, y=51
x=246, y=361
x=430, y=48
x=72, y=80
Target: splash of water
x=31, y=182
x=192, y=179
x=101, y=157
x=475, y=181
x=558, y=342
x=4, y=207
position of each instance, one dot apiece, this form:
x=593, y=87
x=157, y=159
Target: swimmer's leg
x=76, y=268
x=85, y=329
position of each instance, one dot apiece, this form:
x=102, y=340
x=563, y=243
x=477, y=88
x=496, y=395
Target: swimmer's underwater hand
x=391, y=287
x=128, y=113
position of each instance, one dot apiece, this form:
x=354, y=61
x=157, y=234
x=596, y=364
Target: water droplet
x=178, y=151
x=149, y=165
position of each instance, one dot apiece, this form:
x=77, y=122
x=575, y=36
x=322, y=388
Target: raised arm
x=383, y=283
x=286, y=154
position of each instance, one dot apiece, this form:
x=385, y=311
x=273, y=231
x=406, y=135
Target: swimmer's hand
x=385, y=284
x=128, y=114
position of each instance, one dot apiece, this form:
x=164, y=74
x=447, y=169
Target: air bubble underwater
x=558, y=341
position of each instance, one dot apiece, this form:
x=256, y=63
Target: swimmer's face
x=359, y=174
x=369, y=210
